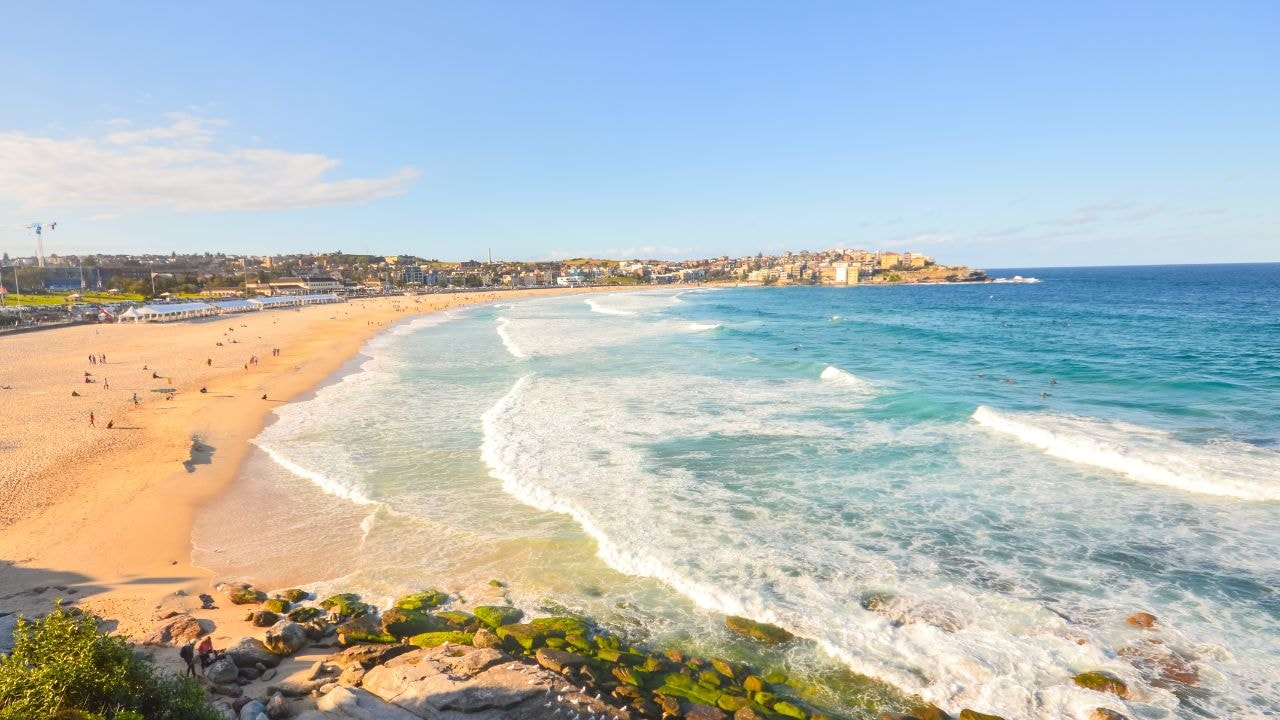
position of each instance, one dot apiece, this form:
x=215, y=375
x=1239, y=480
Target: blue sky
x=989, y=134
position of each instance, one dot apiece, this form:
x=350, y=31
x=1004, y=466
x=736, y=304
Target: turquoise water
x=1014, y=468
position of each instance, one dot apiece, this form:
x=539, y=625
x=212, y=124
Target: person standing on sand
x=91, y=419
x=188, y=655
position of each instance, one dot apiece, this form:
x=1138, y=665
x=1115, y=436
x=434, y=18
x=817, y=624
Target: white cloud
x=176, y=167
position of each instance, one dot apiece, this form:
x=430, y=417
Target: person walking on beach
x=188, y=655
x=91, y=419
x=93, y=360
x=106, y=385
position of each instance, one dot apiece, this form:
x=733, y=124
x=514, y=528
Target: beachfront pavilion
x=169, y=312
x=186, y=311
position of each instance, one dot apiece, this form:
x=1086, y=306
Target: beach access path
x=102, y=517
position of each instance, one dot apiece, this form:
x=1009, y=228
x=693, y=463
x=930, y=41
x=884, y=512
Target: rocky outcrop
x=222, y=671
x=472, y=682
x=177, y=630
x=1142, y=619
x=358, y=704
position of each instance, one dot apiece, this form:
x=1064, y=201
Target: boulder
x=294, y=595
x=1106, y=714
x=363, y=629
x=439, y=681
x=222, y=671
x=764, y=632
x=250, y=651
x=367, y=656
x=286, y=638
x=278, y=606
x=486, y=638
x=748, y=713
x=496, y=616
x=422, y=601
x=241, y=594
x=304, y=614
x=1142, y=619
x=345, y=605
x=558, y=660
x=403, y=623
x=263, y=618
x=278, y=707
x=177, y=630
x=252, y=710
x=348, y=702
x=1102, y=682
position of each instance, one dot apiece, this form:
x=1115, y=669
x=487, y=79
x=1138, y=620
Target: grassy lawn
x=61, y=298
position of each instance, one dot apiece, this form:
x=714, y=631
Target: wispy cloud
x=1142, y=213
x=1080, y=218
x=177, y=166
x=1107, y=206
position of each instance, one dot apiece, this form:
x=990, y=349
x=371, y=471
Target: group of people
x=204, y=651
x=99, y=358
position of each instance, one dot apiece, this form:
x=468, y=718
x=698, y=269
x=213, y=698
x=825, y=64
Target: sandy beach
x=102, y=515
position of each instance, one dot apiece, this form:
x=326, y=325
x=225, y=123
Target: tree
x=63, y=665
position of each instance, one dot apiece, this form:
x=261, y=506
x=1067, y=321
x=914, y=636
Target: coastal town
x=47, y=283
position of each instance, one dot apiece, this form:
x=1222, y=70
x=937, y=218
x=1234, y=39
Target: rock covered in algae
x=436, y=639
x=345, y=604
x=403, y=623
x=1102, y=682
x=422, y=600
x=764, y=632
x=363, y=629
x=496, y=616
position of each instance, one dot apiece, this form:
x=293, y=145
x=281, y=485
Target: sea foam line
x=507, y=342
x=1144, y=455
x=320, y=480
x=605, y=309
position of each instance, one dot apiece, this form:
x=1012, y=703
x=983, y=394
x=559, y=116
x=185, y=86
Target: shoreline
x=78, y=505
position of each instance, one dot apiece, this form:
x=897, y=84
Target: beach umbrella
x=164, y=390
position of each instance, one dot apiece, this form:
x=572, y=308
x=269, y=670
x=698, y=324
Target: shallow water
x=1017, y=466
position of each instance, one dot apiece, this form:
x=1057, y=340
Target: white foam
x=1145, y=455
x=507, y=340
x=603, y=309
x=835, y=376
x=699, y=327
x=329, y=485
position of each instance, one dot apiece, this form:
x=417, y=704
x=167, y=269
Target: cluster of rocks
x=419, y=660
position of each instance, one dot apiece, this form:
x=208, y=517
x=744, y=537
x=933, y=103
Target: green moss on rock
x=363, y=629
x=279, y=606
x=422, y=600
x=345, y=604
x=456, y=618
x=294, y=595
x=764, y=632
x=1102, y=682
x=754, y=684
x=246, y=596
x=435, y=639
x=405, y=623
x=496, y=616
x=789, y=710
x=732, y=703
x=305, y=614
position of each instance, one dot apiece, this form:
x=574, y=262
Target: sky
x=1008, y=134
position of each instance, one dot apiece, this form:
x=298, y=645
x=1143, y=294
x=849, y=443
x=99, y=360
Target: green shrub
x=63, y=665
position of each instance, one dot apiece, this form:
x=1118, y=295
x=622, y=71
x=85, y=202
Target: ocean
x=959, y=492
